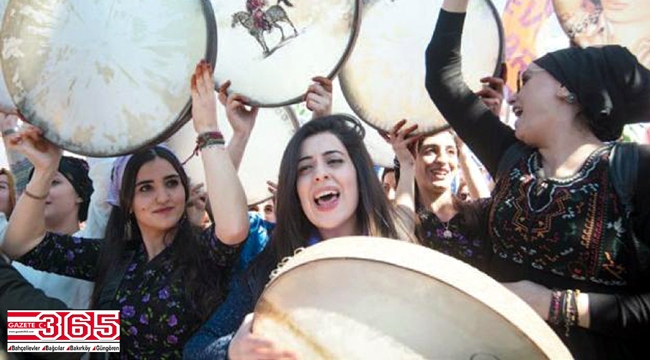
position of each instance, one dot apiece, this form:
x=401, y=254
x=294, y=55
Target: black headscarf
x=76, y=171
x=611, y=86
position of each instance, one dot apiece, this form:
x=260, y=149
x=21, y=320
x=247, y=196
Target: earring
x=128, y=229
x=571, y=98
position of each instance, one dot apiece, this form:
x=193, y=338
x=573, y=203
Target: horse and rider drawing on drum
x=258, y=21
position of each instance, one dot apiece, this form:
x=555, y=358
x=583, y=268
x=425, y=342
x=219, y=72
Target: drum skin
x=105, y=78
x=6, y=104
x=374, y=298
x=261, y=162
x=319, y=36
x=383, y=80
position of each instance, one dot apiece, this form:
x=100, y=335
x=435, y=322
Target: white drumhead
x=6, y=104
x=323, y=37
x=380, y=151
x=103, y=78
x=372, y=298
x=261, y=162
x=383, y=80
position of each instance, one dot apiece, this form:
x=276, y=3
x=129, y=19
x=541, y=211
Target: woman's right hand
x=247, y=346
x=402, y=142
x=492, y=93
x=30, y=142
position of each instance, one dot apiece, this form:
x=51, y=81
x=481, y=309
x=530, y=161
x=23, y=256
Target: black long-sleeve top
x=567, y=234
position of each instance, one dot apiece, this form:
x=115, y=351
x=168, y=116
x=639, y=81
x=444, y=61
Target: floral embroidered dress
x=572, y=228
x=454, y=238
x=155, y=317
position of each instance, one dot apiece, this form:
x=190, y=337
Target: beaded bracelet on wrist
x=206, y=140
x=554, y=310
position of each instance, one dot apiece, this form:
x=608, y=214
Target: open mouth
x=327, y=199
x=517, y=111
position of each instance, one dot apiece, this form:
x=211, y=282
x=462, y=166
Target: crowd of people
x=555, y=209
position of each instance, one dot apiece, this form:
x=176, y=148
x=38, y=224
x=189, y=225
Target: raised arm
x=472, y=120
x=476, y=181
x=27, y=224
x=402, y=142
x=226, y=194
x=242, y=121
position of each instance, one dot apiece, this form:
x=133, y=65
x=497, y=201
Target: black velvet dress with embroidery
x=560, y=233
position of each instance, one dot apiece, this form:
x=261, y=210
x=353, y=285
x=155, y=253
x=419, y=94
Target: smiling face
x=159, y=197
x=436, y=163
x=536, y=106
x=327, y=184
x=62, y=202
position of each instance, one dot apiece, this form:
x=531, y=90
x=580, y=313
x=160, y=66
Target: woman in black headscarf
x=570, y=221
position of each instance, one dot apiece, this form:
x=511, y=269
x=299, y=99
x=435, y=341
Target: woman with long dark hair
x=570, y=218
x=327, y=188
x=165, y=275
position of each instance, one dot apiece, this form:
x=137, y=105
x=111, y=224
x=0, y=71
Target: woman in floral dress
x=174, y=275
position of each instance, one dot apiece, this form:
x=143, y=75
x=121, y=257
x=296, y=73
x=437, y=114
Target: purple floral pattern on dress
x=451, y=238
x=155, y=320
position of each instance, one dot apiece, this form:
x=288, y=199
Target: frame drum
x=261, y=162
x=105, y=78
x=596, y=22
x=6, y=104
x=383, y=80
x=271, y=51
x=374, y=298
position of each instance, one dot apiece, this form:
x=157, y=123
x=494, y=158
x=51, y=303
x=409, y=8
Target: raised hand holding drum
x=103, y=78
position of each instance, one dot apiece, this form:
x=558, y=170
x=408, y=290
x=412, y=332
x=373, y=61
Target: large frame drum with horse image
x=602, y=22
x=270, y=50
x=383, y=80
x=375, y=298
x=105, y=78
x=261, y=162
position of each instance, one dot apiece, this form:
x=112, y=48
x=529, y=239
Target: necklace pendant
x=447, y=234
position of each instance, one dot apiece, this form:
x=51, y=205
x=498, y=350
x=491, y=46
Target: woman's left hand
x=402, y=141
x=204, y=103
x=535, y=295
x=319, y=97
x=240, y=115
